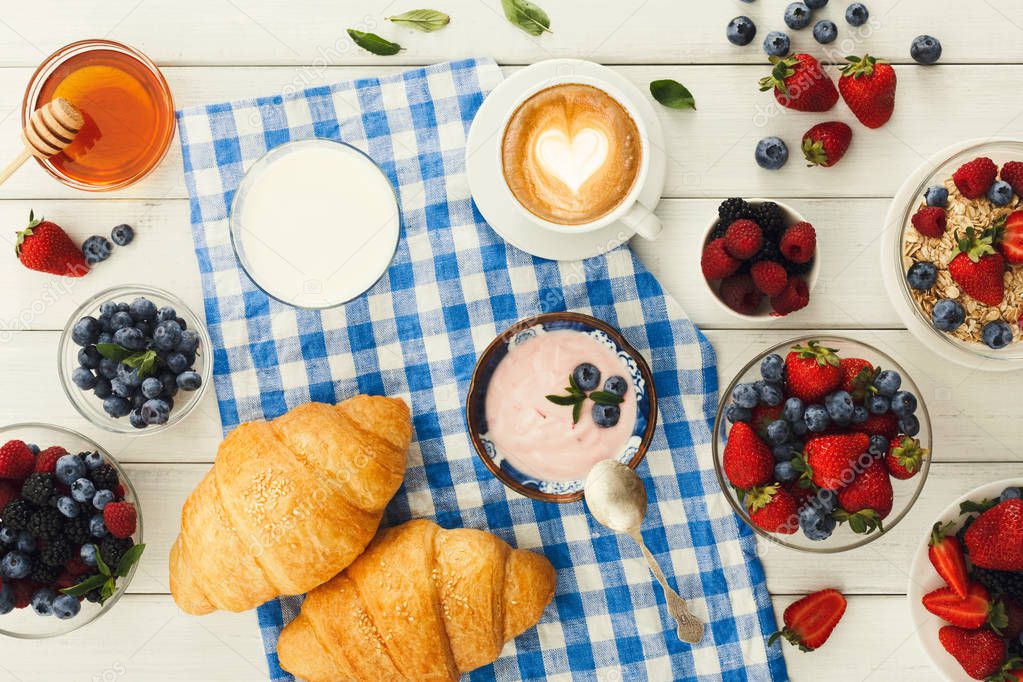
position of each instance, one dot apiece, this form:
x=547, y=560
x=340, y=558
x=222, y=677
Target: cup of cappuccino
x=575, y=156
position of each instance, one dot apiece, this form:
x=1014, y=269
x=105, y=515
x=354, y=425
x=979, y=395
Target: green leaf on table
x=86, y=586
x=425, y=20
x=527, y=16
x=113, y=351
x=144, y=362
x=672, y=94
x=129, y=559
x=371, y=42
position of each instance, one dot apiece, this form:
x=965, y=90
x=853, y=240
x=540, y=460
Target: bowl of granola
x=952, y=253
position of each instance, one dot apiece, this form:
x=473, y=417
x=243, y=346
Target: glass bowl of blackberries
x=134, y=359
x=70, y=531
x=822, y=443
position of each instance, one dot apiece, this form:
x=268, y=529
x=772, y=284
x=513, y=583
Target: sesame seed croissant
x=422, y=603
x=288, y=503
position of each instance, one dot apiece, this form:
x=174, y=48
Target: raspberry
x=8, y=493
x=739, y=293
x=975, y=177
x=46, y=461
x=796, y=295
x=37, y=488
x=75, y=565
x=16, y=460
x=930, y=221
x=64, y=580
x=768, y=277
x=715, y=261
x=121, y=519
x=1012, y=173
x=799, y=243
x=23, y=590
x=743, y=239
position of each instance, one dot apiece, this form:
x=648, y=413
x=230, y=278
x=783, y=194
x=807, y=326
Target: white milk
x=315, y=223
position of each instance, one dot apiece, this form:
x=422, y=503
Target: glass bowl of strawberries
x=966, y=584
x=70, y=531
x=822, y=443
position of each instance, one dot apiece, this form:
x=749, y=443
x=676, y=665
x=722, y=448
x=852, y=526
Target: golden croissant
x=422, y=603
x=288, y=503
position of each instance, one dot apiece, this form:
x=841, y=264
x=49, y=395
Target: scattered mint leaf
x=425, y=20
x=527, y=16
x=672, y=94
x=371, y=42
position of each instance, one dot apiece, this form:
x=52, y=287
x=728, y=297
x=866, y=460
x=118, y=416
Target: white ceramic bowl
x=923, y=579
x=791, y=217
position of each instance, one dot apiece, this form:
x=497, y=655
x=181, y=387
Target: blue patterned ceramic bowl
x=475, y=410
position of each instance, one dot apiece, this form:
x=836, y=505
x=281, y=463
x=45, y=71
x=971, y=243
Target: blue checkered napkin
x=453, y=286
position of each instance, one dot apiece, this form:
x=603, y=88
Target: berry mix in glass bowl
x=70, y=531
x=822, y=444
x=134, y=359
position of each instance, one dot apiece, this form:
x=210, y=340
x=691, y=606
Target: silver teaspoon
x=616, y=497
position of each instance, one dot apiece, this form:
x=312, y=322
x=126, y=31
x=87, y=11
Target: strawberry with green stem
x=978, y=269
x=868, y=85
x=799, y=83
x=45, y=247
x=946, y=555
x=826, y=143
x=809, y=622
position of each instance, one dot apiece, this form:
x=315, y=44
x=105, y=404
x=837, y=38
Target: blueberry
x=857, y=14
x=137, y=399
x=783, y=452
x=947, y=315
x=770, y=394
x=85, y=331
x=785, y=472
x=925, y=49
x=170, y=384
x=69, y=469
x=734, y=413
x=116, y=406
x=840, y=407
x=816, y=525
x=936, y=195
x=815, y=4
x=745, y=395
x=6, y=599
x=89, y=357
x=741, y=31
x=603, y=415
x=615, y=385
x=1000, y=193
x=799, y=428
x=1011, y=493
x=88, y=554
x=797, y=15
x=181, y=322
x=166, y=313
x=166, y=335
x=586, y=376
x=137, y=420
x=82, y=490
x=107, y=309
x=772, y=368
x=777, y=44
x=878, y=446
x=771, y=153
x=152, y=387
x=816, y=418
x=15, y=565
x=130, y=338
x=94, y=460
x=96, y=249
x=909, y=425
x=878, y=404
x=904, y=403
x=825, y=31
x=42, y=601
x=997, y=334
x=778, y=431
x=97, y=526
x=178, y=362
x=83, y=378
x=189, y=381
x=102, y=498
x=68, y=507
x=157, y=411
x=122, y=235
x=120, y=389
x=33, y=448
x=793, y=409
x=120, y=320
x=105, y=337
x=921, y=276
x=129, y=375
x=887, y=382
x=26, y=542
x=190, y=341
x=142, y=309
x=860, y=414
x=122, y=307
x=65, y=607
x=8, y=536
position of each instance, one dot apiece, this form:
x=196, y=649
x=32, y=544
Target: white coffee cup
x=629, y=212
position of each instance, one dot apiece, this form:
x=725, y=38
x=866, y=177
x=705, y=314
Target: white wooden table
x=213, y=50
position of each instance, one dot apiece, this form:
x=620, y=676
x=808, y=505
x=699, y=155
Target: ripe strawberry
x=1012, y=173
x=905, y=457
x=831, y=460
x=974, y=178
x=810, y=621
x=799, y=83
x=979, y=652
x=743, y=239
x=826, y=143
x=740, y=294
x=747, y=460
x=121, y=519
x=16, y=460
x=1011, y=233
x=46, y=461
x=769, y=277
x=978, y=269
x=795, y=296
x=799, y=242
x=45, y=247
x=715, y=261
x=857, y=376
x=886, y=425
x=946, y=555
x=772, y=508
x=762, y=417
x=8, y=493
x=930, y=221
x=970, y=613
x=868, y=499
x=812, y=371
x=868, y=87
x=995, y=538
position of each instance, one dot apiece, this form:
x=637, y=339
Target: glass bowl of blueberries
x=134, y=359
x=822, y=443
x=70, y=531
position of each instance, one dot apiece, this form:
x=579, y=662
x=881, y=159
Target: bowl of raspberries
x=822, y=444
x=966, y=585
x=760, y=259
x=70, y=531
x=134, y=359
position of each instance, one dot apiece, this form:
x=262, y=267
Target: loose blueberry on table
x=135, y=358
x=583, y=385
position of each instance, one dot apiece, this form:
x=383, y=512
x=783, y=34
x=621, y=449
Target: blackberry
x=46, y=523
x=771, y=220
x=769, y=251
x=56, y=553
x=76, y=530
x=104, y=477
x=797, y=268
x=734, y=209
x=719, y=230
x=112, y=549
x=44, y=575
x=1001, y=582
x=17, y=513
x=37, y=488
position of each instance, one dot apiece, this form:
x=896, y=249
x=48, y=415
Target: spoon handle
x=690, y=628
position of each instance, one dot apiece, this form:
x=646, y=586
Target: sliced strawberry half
x=946, y=555
x=970, y=613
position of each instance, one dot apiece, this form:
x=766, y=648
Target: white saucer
x=483, y=165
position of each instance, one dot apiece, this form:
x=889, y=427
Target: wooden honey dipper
x=51, y=128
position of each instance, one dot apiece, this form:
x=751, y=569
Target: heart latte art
x=571, y=154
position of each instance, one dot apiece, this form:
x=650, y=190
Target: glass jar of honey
x=128, y=110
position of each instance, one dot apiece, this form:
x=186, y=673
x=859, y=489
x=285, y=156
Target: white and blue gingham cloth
x=453, y=286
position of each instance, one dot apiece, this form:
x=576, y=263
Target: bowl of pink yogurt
x=553, y=395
